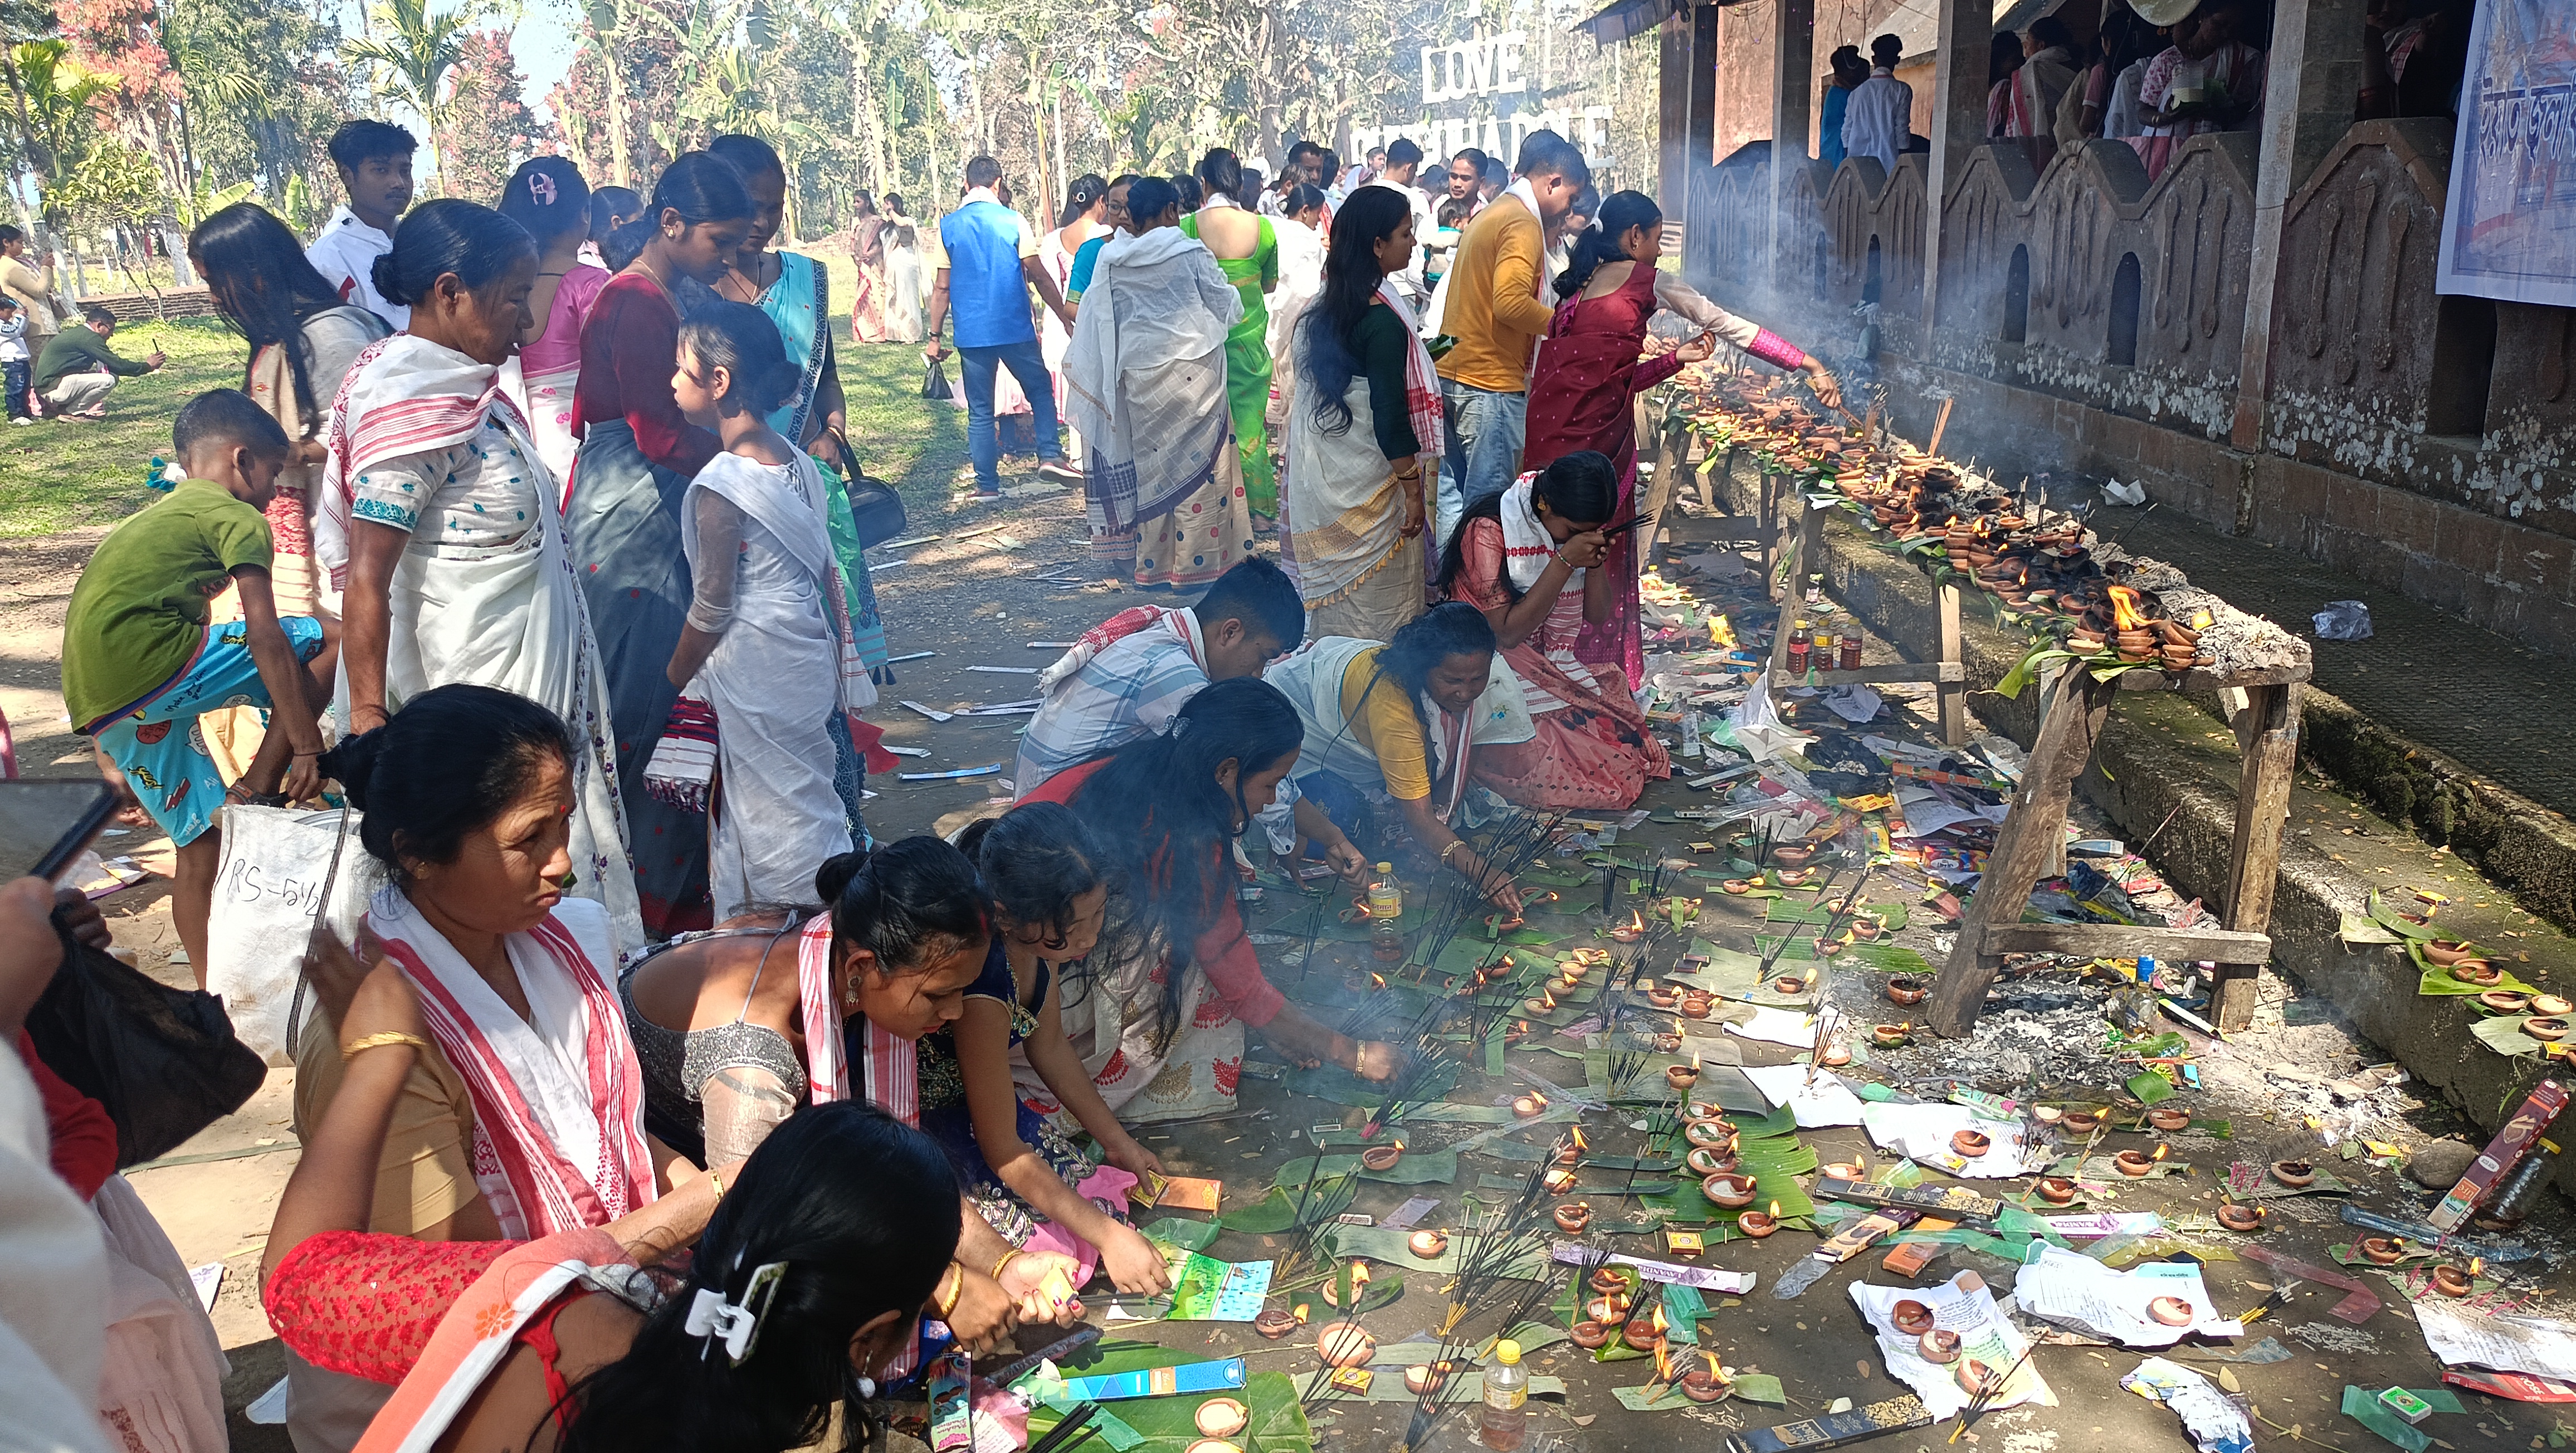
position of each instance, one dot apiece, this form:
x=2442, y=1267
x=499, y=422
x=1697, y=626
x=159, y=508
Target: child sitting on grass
x=140, y=661
x=1038, y=863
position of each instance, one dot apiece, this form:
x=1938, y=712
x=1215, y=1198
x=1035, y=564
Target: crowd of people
x=2154, y=75
x=527, y=534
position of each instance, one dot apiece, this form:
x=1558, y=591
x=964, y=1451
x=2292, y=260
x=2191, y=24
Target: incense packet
x=1910, y=1257
x=1860, y=1235
x=1833, y=1430
x=2508, y=1148
x=1158, y=1381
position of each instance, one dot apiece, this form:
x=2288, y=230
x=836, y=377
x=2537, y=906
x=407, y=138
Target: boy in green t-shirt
x=141, y=663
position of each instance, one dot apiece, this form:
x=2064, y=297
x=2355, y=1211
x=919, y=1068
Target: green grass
x=55, y=476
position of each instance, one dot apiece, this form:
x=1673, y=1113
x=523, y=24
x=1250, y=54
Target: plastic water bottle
x=1385, y=894
x=1505, y=1421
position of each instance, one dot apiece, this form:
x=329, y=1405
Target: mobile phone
x=44, y=825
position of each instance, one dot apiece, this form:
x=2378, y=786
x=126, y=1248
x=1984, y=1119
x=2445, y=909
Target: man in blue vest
x=986, y=259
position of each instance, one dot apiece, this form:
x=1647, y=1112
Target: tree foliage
x=490, y=127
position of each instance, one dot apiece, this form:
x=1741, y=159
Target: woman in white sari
x=1145, y=383
x=1301, y=277
x=438, y=521
x=902, y=238
x=768, y=642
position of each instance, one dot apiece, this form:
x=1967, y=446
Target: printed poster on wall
x=2509, y=232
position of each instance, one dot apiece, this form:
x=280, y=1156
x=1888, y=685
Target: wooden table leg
x=1953, y=695
x=2065, y=745
x=1794, y=561
x=2268, y=731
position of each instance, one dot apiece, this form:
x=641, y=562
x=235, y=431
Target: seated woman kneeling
x=1530, y=559
x=803, y=1291
x=1158, y=1012
x=1048, y=897
x=738, y=1028
x=1408, y=717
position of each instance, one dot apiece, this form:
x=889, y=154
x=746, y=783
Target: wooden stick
x=1939, y=426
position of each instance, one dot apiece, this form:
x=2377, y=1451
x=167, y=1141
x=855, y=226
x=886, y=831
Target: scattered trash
x=2343, y=620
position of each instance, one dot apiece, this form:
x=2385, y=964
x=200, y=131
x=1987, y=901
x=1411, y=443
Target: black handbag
x=163, y=1061
x=875, y=508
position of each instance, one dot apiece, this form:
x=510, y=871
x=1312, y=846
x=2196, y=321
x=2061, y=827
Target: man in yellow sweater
x=1497, y=311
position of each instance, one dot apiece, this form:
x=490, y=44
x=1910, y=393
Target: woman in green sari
x=1247, y=251
x=793, y=290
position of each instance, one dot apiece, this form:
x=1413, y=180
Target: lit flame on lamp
x=2162, y=1151
x=2125, y=614
x=1377, y=981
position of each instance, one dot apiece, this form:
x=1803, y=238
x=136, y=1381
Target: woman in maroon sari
x=1582, y=394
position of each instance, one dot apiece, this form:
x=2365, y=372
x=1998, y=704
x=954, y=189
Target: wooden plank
x=2122, y=941
x=1791, y=597
x=2199, y=680
x=2064, y=747
x=2269, y=730
x=1954, y=690
x=1910, y=673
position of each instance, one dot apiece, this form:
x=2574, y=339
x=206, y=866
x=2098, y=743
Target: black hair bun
x=833, y=878
x=353, y=764
x=381, y=273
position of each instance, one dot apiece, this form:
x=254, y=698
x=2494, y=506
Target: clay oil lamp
x=1696, y=1006
x=1519, y=1033
x=1569, y=1151
x=2477, y=971
x=1702, y=1386
x=2381, y=1250
x=1641, y=1334
x=1758, y=1224
x=1529, y=1107
x=2083, y=1122
x=1590, y=1336
x=1382, y=1157
x=1426, y=1377
x=2453, y=1281
x=1905, y=992
x=1890, y=1036
x=1544, y=1004
x=1573, y=1218
x=2298, y=1175
x=1609, y=1311
x=1663, y=996
x=2170, y=1311
x=1359, y=1285
x=1709, y=1160
x=2546, y=1028
x=1845, y=1170
x=1213, y=1445
x=2240, y=1218
x=1911, y=1318
x=2046, y=1114
x=1275, y=1323
x=1797, y=877
x=1730, y=1189
x=2133, y=1163
x=2505, y=1001
x=1938, y=1346
x=1610, y=1281
x=1789, y=984
x=1427, y=1244
x=2551, y=1005
x=1345, y=1344
x=1709, y=1133
x=2057, y=1190
x=1971, y=1143
x=1836, y=1055
x=1222, y=1417
x=1793, y=855
x=1866, y=928
x=1735, y=885
x=2449, y=951
x=2164, y=1119
x=1703, y=1110
x=1682, y=1077
x=1667, y=1043
x=1979, y=1380
x=1558, y=1181
x=1630, y=931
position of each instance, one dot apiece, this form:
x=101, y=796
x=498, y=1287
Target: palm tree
x=59, y=102
x=410, y=56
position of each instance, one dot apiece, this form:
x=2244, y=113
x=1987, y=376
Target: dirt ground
x=970, y=597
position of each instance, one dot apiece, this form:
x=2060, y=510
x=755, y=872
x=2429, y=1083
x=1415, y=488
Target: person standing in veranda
x=374, y=162
x=1497, y=310
x=983, y=262
x=1876, y=117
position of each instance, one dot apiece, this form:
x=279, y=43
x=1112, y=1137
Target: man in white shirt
x=1880, y=113
x=1404, y=162
x=374, y=162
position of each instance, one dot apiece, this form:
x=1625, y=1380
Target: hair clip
x=542, y=188
x=736, y=1325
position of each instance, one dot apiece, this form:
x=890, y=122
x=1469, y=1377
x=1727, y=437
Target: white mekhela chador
x=423, y=440
x=761, y=563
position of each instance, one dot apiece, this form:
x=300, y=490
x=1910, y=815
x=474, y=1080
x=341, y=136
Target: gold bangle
x=956, y=1282
x=1007, y=1258
x=356, y=1047
x=1454, y=845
